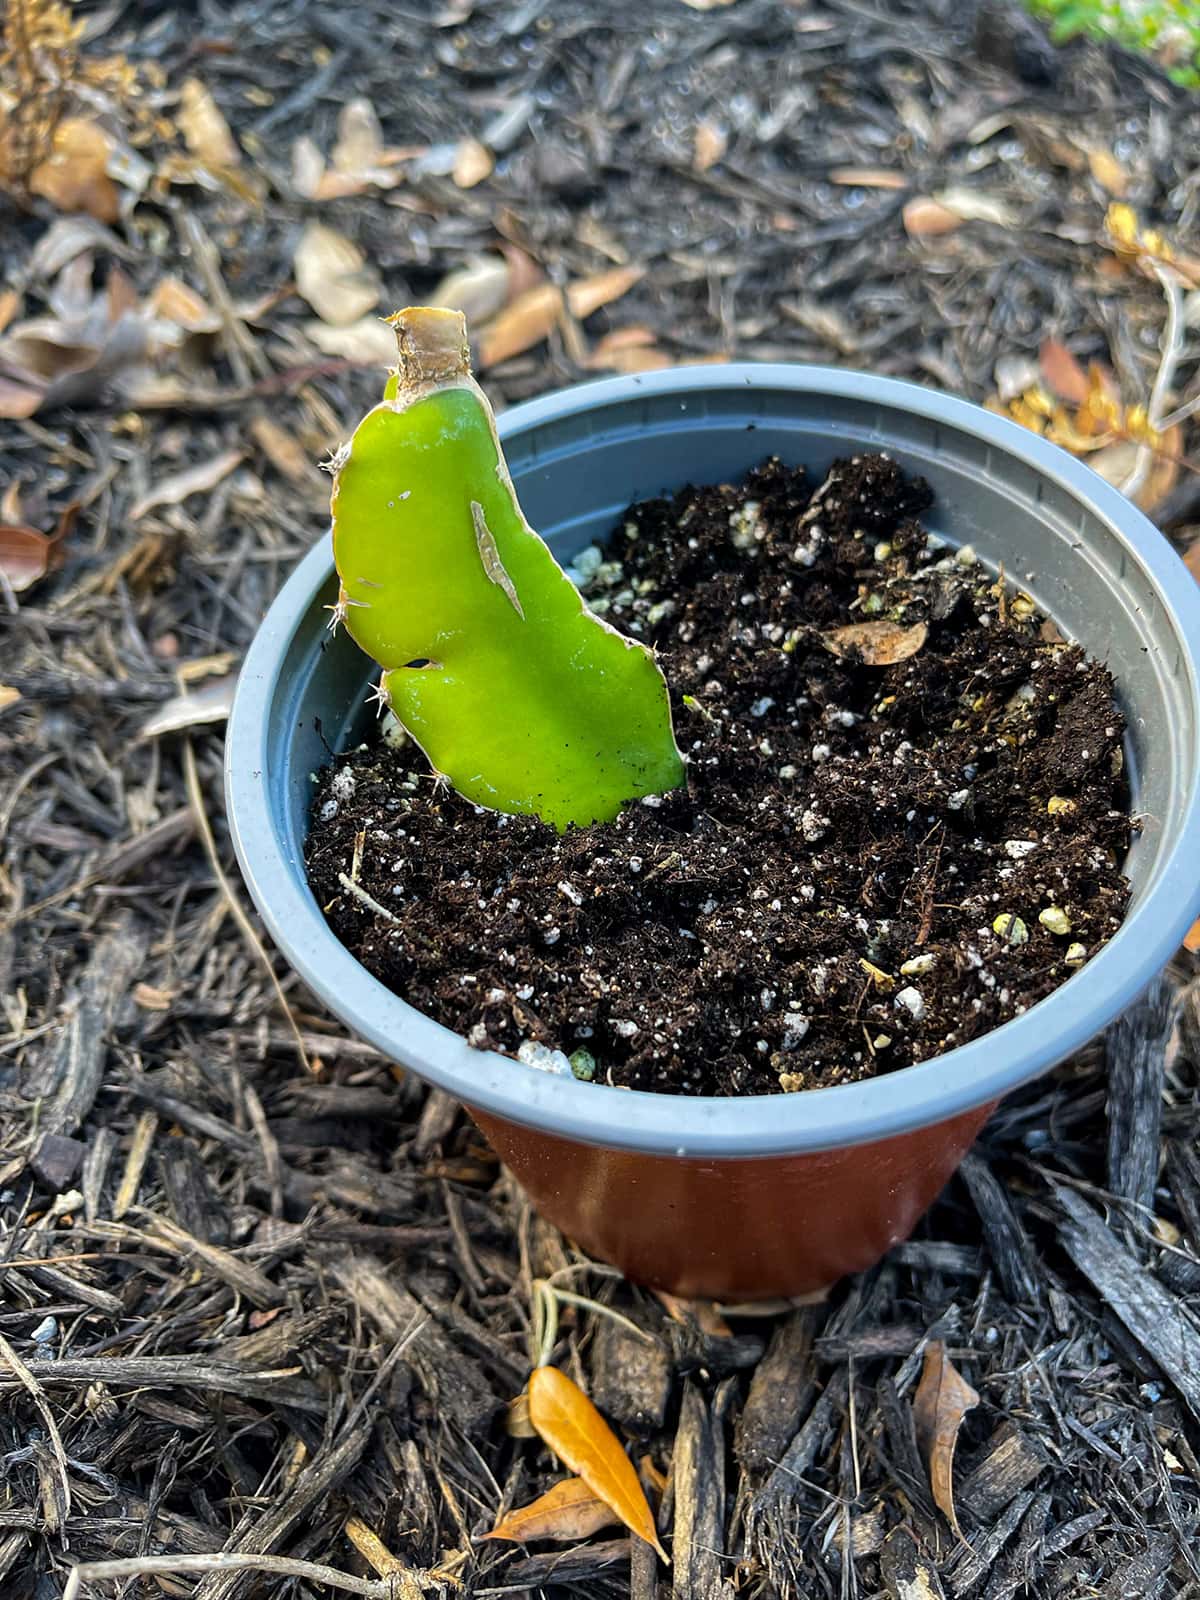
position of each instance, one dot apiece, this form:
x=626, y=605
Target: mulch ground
x=262, y=1294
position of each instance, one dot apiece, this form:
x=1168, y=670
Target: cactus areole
x=522, y=698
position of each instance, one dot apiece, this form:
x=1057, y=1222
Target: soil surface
x=903, y=822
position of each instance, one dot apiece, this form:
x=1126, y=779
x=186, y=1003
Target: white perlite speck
x=1018, y=849
x=624, y=1027
x=912, y=1001
x=543, y=1058
x=343, y=784
x=813, y=825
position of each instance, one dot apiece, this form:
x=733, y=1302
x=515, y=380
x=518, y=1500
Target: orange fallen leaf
x=8, y=696
x=568, y=1511
x=586, y=295
x=1191, y=939
x=74, y=176
x=704, y=1312
x=569, y=1423
x=876, y=644
x=525, y=323
x=942, y=1400
x=1063, y=374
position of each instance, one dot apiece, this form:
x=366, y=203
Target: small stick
x=37, y=1394
x=228, y=1561
x=1172, y=350
x=360, y=894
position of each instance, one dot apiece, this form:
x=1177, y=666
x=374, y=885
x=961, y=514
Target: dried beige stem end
x=433, y=346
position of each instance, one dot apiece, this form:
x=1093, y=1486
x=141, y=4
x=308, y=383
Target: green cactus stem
x=519, y=695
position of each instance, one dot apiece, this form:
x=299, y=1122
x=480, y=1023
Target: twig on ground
x=1172, y=350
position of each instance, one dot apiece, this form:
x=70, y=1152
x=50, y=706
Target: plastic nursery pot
x=766, y=1195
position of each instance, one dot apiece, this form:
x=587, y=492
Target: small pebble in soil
x=893, y=854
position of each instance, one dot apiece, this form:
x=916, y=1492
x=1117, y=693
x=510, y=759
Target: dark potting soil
x=871, y=863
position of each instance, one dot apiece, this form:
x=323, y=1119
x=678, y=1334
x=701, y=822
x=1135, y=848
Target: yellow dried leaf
x=8, y=696
x=522, y=325
x=942, y=1400
x=568, y=1511
x=205, y=131
x=1191, y=939
x=586, y=295
x=569, y=1423
x=875, y=644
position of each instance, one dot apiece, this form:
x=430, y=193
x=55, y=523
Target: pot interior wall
x=577, y=474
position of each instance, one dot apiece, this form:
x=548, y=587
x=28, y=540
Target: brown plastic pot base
x=755, y=1229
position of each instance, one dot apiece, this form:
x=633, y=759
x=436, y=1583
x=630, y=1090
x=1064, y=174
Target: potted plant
x=756, y=1195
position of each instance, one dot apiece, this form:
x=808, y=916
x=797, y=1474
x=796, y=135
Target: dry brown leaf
x=709, y=144
x=10, y=304
x=283, y=450
x=8, y=696
x=19, y=400
x=74, y=177
x=973, y=205
x=1108, y=171
x=473, y=162
x=568, y=1511
x=173, y=301
x=1063, y=374
x=703, y=1312
x=200, y=479
x=308, y=167
x=524, y=324
x=516, y=1418
x=359, y=142
x=586, y=295
x=1191, y=939
x=209, y=704
x=942, y=1400
x=876, y=644
x=205, y=131
x=569, y=1423
x=926, y=219
x=479, y=290
x=333, y=276
x=869, y=178
x=27, y=554
x=369, y=342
